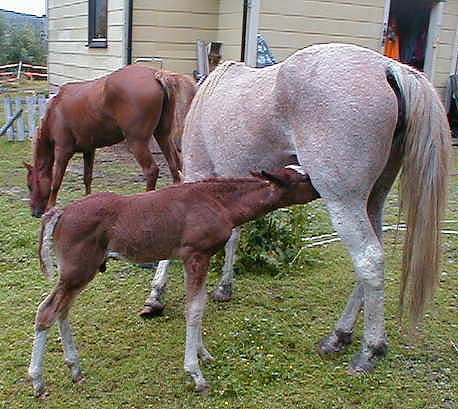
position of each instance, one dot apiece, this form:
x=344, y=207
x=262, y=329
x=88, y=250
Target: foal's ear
x=275, y=179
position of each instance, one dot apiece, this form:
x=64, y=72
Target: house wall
x=169, y=30
x=230, y=28
x=293, y=24
x=446, y=47
x=69, y=59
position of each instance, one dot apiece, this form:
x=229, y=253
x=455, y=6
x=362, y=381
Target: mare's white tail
x=426, y=146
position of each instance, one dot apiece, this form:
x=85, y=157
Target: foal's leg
x=50, y=310
x=224, y=290
x=355, y=228
x=71, y=354
x=154, y=304
x=171, y=155
x=196, y=267
x=88, y=157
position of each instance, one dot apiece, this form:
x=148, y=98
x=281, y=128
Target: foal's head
x=295, y=185
x=39, y=187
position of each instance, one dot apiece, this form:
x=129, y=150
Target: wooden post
x=19, y=69
x=202, y=58
x=251, y=47
x=31, y=101
x=8, y=114
x=42, y=105
x=20, y=120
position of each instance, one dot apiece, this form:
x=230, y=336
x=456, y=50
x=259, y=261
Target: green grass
x=264, y=341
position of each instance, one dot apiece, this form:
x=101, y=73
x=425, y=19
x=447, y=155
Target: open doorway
x=407, y=32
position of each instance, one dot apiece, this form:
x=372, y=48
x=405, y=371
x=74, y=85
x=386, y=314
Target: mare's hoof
x=153, y=309
x=335, y=343
x=366, y=360
x=222, y=293
x=361, y=364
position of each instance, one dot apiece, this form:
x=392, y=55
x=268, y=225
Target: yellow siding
x=169, y=30
x=293, y=24
x=69, y=59
x=446, y=47
x=230, y=28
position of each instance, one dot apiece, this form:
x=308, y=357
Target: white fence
x=22, y=113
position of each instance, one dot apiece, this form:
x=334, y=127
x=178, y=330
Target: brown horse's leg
x=88, y=157
x=145, y=159
x=171, y=155
x=60, y=164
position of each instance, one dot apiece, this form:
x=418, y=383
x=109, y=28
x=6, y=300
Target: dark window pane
x=100, y=19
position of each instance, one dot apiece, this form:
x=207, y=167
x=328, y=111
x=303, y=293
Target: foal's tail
x=424, y=138
x=48, y=224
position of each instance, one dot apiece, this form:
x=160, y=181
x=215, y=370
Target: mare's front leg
x=223, y=292
x=196, y=268
x=61, y=158
x=354, y=227
x=88, y=158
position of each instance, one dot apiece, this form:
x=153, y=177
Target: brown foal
x=191, y=221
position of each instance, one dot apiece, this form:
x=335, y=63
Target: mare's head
x=39, y=187
x=295, y=185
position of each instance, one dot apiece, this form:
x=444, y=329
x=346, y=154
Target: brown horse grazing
x=190, y=220
x=132, y=103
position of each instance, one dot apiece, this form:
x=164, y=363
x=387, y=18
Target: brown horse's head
x=39, y=186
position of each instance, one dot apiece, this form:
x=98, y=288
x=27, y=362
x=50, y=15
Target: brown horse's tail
x=426, y=146
x=179, y=90
x=168, y=107
x=48, y=223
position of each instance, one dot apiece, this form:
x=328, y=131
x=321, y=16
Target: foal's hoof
x=222, y=293
x=153, y=309
x=203, y=388
x=335, y=343
x=40, y=392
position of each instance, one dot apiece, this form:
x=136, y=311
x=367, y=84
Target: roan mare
x=353, y=118
x=191, y=220
x=132, y=103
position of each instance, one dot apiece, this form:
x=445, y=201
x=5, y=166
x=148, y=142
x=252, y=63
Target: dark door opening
x=407, y=33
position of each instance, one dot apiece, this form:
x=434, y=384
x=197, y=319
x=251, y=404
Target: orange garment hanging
x=392, y=41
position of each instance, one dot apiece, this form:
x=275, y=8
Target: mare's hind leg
x=171, y=155
x=88, y=158
x=342, y=335
x=154, y=304
x=352, y=222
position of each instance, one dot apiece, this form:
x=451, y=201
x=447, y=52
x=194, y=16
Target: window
x=97, y=23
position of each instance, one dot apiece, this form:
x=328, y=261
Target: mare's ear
x=283, y=182
x=28, y=166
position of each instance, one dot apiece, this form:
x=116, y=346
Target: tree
x=23, y=44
